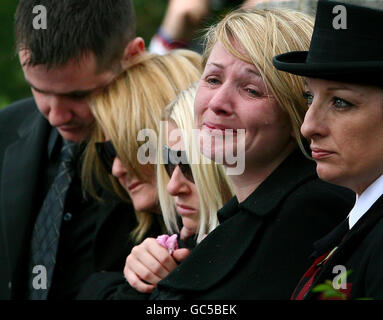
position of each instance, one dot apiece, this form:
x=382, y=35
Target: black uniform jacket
x=23, y=143
x=358, y=253
x=261, y=248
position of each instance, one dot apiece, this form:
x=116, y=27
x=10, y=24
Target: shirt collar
x=365, y=201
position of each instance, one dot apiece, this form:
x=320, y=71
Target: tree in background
x=12, y=84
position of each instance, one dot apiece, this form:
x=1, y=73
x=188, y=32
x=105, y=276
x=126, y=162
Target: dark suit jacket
x=360, y=250
x=261, y=248
x=24, y=134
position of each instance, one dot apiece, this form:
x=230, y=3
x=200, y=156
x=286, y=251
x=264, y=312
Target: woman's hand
x=149, y=262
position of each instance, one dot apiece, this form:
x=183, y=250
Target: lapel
x=241, y=225
x=116, y=219
x=294, y=171
x=106, y=211
x=20, y=172
x=102, y=249
x=215, y=256
x=331, y=240
x=352, y=239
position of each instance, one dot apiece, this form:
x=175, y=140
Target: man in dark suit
x=85, y=46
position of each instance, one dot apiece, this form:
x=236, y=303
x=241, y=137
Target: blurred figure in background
x=184, y=20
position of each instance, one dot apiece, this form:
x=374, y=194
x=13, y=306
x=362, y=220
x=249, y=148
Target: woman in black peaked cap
x=344, y=123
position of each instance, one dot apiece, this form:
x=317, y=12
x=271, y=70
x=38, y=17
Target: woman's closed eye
x=253, y=92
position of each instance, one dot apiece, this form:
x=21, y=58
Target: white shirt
x=365, y=201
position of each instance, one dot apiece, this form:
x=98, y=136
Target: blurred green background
x=12, y=85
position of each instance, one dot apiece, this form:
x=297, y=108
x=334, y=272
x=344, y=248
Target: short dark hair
x=74, y=28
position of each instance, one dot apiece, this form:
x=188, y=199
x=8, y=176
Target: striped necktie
x=46, y=232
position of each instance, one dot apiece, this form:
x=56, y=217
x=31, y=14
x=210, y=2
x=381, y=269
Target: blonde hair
x=133, y=102
x=214, y=188
x=256, y=36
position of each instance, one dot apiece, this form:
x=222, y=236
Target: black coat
x=360, y=251
x=113, y=285
x=24, y=134
x=261, y=248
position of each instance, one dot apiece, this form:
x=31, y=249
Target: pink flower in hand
x=168, y=242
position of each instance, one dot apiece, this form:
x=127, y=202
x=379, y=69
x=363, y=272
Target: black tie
x=46, y=232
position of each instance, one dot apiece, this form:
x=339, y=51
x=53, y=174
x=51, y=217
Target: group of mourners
x=253, y=232
x=308, y=206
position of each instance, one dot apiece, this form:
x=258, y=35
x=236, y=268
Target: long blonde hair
x=214, y=187
x=256, y=36
x=133, y=102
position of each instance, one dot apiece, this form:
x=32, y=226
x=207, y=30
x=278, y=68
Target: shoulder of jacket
x=315, y=187
x=18, y=110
